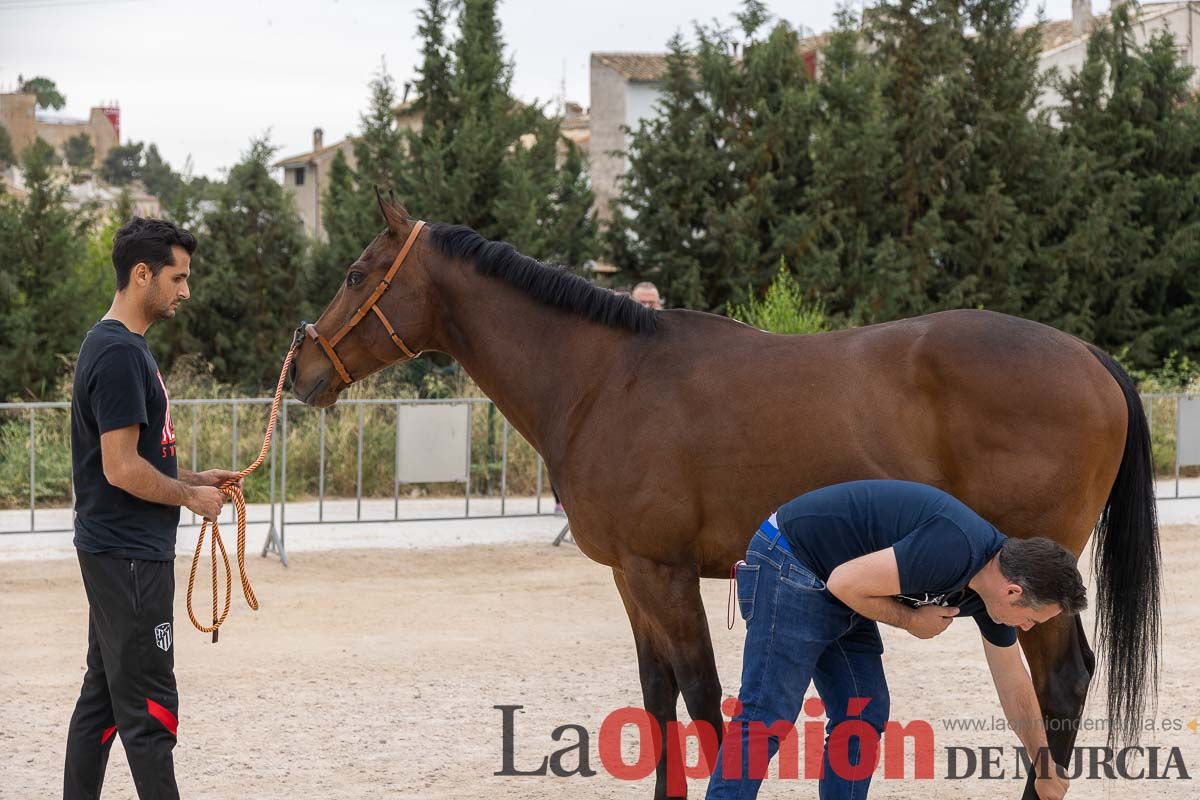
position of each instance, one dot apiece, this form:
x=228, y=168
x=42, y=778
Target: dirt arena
x=373, y=674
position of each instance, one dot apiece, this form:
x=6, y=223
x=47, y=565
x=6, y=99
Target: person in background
x=646, y=294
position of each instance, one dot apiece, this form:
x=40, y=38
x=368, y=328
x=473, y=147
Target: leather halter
x=328, y=345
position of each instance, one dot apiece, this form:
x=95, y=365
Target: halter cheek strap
x=371, y=304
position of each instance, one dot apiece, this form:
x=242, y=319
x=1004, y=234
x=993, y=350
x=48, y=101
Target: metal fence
x=1174, y=424
x=275, y=469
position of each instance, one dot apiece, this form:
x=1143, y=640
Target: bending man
x=828, y=566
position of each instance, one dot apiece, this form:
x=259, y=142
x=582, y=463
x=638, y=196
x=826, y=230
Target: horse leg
x=674, y=649
x=660, y=691
x=1062, y=665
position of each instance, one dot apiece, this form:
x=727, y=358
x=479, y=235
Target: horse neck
x=535, y=362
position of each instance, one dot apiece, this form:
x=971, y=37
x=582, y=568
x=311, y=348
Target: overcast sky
x=200, y=79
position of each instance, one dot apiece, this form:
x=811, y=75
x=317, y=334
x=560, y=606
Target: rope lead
x=234, y=493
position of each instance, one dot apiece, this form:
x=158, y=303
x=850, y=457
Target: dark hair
x=147, y=241
x=1046, y=572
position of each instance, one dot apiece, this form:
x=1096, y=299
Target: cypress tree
x=43, y=242
x=250, y=279
x=1132, y=126
x=715, y=183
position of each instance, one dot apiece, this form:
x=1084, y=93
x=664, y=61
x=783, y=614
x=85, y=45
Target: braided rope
x=234, y=492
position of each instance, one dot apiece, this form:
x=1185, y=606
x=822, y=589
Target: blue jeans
x=797, y=632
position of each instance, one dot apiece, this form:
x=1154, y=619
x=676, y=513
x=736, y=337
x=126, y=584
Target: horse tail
x=1126, y=561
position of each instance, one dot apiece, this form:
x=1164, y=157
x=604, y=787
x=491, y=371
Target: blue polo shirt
x=940, y=543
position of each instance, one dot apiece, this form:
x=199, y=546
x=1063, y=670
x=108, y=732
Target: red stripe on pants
x=162, y=715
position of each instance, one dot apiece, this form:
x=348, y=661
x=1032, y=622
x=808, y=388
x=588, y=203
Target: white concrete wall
x=639, y=102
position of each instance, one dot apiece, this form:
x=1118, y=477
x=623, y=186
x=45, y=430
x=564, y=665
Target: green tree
x=350, y=215
x=79, y=152
x=47, y=93
x=484, y=159
x=573, y=230
x=7, y=156
x=351, y=219
x=657, y=221
x=936, y=184
x=851, y=223
x=160, y=180
x=123, y=164
x=716, y=181
x=479, y=158
x=250, y=281
x=43, y=241
x=783, y=308
x=434, y=73
x=1132, y=125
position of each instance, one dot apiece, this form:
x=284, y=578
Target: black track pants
x=129, y=687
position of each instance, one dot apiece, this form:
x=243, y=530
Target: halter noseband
x=328, y=345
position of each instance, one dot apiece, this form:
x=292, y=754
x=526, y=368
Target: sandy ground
x=373, y=674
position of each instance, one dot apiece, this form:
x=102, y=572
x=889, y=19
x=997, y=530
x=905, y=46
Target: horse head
x=380, y=315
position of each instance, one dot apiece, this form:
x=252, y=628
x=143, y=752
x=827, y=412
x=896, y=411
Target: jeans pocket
x=747, y=584
x=798, y=576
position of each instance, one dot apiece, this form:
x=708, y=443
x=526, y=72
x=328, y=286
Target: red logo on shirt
x=168, y=431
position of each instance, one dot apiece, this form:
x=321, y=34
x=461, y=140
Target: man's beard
x=156, y=309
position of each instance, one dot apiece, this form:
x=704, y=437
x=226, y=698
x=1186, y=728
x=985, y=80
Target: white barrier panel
x=1189, y=431
x=433, y=443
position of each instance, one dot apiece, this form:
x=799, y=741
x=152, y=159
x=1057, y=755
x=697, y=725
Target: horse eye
x=354, y=279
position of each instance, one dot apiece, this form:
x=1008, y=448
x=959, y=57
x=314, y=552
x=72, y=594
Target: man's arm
x=125, y=469
x=868, y=584
x=1024, y=714
x=210, y=477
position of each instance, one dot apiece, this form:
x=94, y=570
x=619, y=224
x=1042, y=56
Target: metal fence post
x=503, y=465
x=1150, y=427
x=538, y=507
x=1178, y=427
x=321, y=472
x=195, y=407
x=467, y=494
x=283, y=432
x=233, y=462
x=32, y=469
x=358, y=469
x=272, y=481
x=396, y=477
x=233, y=448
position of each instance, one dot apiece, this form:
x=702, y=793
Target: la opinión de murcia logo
x=808, y=740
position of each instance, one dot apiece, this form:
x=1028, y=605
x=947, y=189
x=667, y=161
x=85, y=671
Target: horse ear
x=393, y=213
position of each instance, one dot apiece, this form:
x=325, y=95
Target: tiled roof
x=1058, y=32
x=304, y=158
x=643, y=67
x=583, y=121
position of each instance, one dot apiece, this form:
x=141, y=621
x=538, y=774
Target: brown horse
x=670, y=435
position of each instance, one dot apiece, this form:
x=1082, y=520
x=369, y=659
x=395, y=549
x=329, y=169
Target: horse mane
x=553, y=286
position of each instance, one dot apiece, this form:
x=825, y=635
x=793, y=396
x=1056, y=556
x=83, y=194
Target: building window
x=300, y=176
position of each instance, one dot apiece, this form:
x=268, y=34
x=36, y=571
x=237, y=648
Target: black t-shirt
x=117, y=384
x=940, y=543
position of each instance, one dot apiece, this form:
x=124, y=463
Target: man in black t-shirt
x=825, y=568
x=128, y=494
